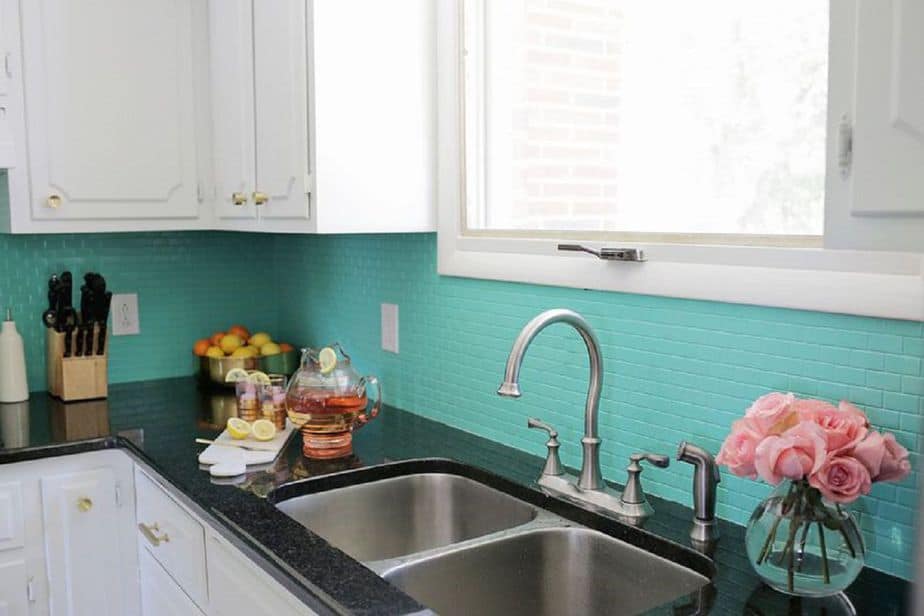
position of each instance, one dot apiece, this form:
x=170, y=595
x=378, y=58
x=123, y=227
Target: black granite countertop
x=157, y=421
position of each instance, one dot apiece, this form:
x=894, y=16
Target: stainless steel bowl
x=215, y=369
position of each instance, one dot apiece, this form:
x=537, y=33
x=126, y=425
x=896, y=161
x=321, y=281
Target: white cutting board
x=268, y=450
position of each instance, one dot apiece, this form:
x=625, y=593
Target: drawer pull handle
x=53, y=201
x=238, y=198
x=260, y=198
x=150, y=533
x=84, y=504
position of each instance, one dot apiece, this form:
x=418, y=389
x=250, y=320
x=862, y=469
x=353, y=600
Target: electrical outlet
x=390, y=327
x=124, y=310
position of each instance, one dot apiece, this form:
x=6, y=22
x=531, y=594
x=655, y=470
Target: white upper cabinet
x=281, y=107
x=325, y=122
x=109, y=90
x=374, y=97
x=876, y=126
x=233, y=131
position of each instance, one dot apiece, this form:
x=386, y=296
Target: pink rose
x=737, y=451
x=870, y=452
x=844, y=426
x=795, y=454
x=842, y=479
x=895, y=464
x=771, y=413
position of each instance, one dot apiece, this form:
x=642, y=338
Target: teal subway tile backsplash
x=675, y=369
x=188, y=284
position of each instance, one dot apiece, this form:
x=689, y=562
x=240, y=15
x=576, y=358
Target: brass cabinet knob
x=84, y=504
x=53, y=201
x=238, y=198
x=260, y=198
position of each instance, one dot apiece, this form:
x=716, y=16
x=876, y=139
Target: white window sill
x=874, y=284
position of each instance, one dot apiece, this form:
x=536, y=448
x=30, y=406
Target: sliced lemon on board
x=235, y=374
x=258, y=378
x=327, y=359
x=238, y=428
x=263, y=430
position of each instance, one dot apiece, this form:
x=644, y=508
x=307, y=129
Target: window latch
x=607, y=254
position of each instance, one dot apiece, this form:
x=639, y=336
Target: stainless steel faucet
x=589, y=486
x=705, y=482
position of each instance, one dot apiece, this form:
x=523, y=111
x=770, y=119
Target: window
x=764, y=153
x=686, y=120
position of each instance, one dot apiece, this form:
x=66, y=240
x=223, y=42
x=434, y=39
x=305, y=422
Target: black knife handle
x=101, y=339
x=68, y=333
x=78, y=343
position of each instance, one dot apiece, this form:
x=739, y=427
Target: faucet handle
x=552, y=461
x=633, y=494
x=533, y=422
x=659, y=460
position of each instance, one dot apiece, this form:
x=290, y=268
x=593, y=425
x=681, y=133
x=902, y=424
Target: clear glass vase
x=801, y=544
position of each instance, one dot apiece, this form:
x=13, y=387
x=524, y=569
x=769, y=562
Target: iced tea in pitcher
x=327, y=400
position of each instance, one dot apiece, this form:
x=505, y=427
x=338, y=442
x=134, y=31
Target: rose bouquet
x=800, y=540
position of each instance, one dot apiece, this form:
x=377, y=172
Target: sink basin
x=548, y=571
x=407, y=514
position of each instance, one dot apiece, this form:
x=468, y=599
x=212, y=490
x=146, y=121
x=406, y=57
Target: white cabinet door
x=231, y=63
x=238, y=587
x=14, y=600
x=879, y=203
x=89, y=571
x=160, y=595
x=110, y=93
x=281, y=104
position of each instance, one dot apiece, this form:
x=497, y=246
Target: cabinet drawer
x=239, y=586
x=11, y=524
x=172, y=536
x=160, y=596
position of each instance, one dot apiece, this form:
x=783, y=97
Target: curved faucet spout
x=591, y=478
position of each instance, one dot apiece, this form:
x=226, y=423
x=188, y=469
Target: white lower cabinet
x=66, y=541
x=14, y=597
x=84, y=555
x=93, y=534
x=188, y=568
x=160, y=595
x=237, y=587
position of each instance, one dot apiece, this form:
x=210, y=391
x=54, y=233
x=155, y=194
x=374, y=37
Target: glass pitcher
x=327, y=400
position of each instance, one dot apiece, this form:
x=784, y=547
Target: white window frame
x=871, y=283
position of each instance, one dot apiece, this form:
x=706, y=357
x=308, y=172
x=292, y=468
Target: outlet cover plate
x=390, y=328
x=124, y=311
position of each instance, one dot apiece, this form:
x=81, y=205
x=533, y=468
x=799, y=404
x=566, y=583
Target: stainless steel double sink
x=460, y=546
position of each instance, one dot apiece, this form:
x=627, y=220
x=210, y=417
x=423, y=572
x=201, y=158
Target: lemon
x=258, y=378
x=238, y=428
x=264, y=430
x=235, y=374
x=327, y=359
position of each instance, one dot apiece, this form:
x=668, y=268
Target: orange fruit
x=240, y=331
x=215, y=338
x=201, y=346
x=285, y=347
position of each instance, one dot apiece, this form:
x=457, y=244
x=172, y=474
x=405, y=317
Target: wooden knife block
x=75, y=378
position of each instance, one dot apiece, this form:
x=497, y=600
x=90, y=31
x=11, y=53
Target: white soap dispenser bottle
x=13, y=385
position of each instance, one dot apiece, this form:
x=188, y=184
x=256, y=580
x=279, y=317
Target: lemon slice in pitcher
x=236, y=374
x=263, y=430
x=327, y=359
